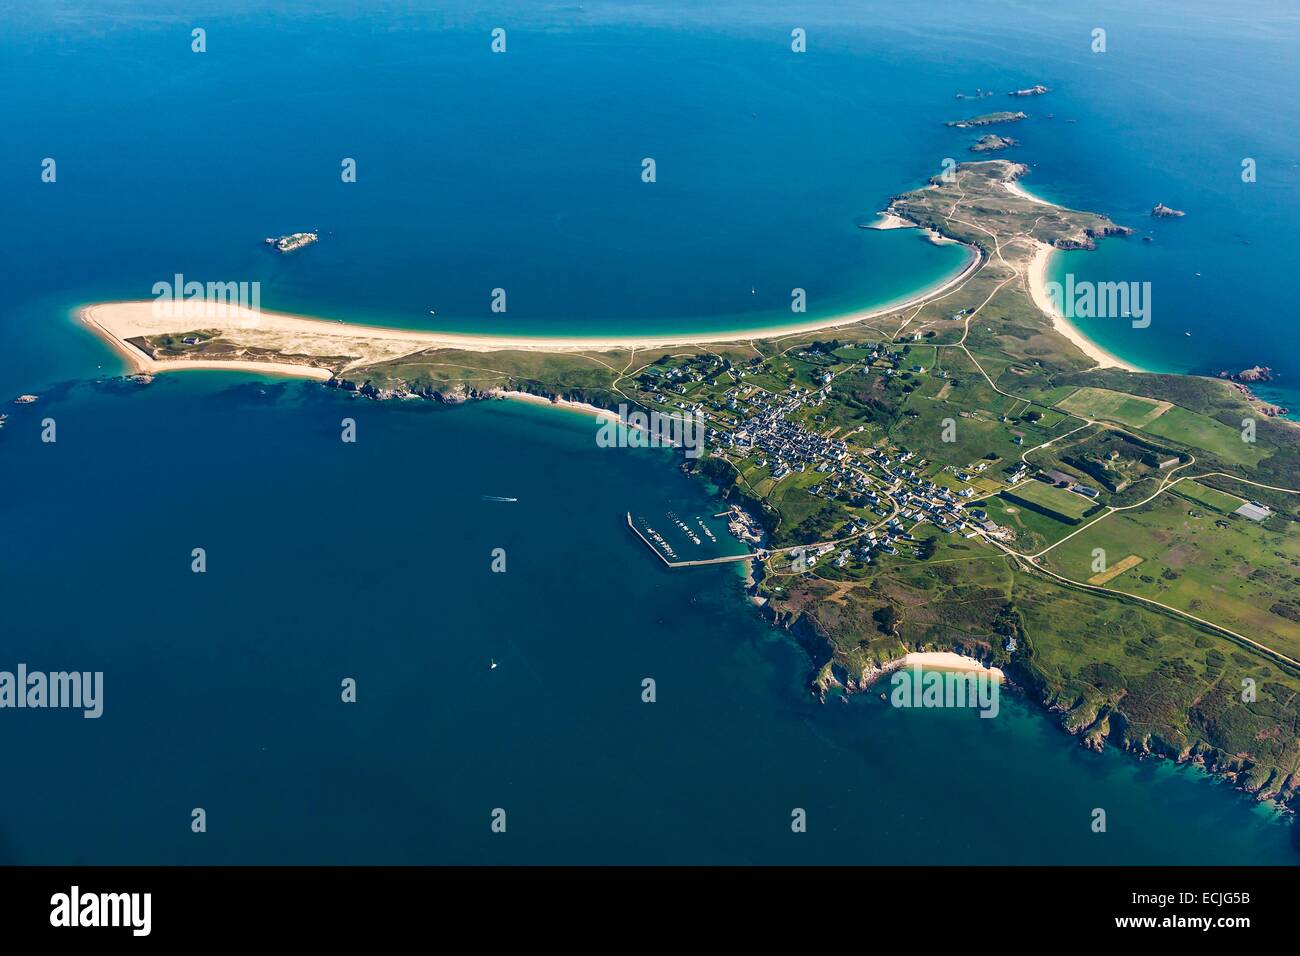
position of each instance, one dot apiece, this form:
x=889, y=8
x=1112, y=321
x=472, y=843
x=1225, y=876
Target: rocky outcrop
x=1161, y=211
x=1257, y=373
x=1095, y=725
x=991, y=142
x=453, y=395
x=988, y=119
x=1267, y=409
x=1090, y=235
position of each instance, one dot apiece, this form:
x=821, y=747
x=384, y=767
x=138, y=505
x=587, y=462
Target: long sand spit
x=291, y=335
x=350, y=345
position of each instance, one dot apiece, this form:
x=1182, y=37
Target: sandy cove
x=1016, y=189
x=1037, y=276
x=601, y=414
x=116, y=322
x=950, y=661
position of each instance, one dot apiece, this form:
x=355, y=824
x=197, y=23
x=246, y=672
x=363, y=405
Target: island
x=292, y=241
x=1037, y=90
x=1161, y=211
x=931, y=477
x=988, y=119
x=991, y=142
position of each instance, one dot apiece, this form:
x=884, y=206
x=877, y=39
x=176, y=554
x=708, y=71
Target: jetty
x=725, y=559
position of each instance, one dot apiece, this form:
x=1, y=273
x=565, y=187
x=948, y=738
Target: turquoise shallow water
x=372, y=560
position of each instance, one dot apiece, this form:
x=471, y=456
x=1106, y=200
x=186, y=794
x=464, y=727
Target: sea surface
x=372, y=560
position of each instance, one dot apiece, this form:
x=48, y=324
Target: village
x=879, y=494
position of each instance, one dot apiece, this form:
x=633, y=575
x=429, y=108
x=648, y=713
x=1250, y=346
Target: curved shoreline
x=116, y=322
x=950, y=661
x=1037, y=277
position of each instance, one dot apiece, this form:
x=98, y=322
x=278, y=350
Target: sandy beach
x=887, y=220
x=1037, y=276
x=581, y=407
x=950, y=661
x=117, y=322
x=1015, y=188
x=140, y=362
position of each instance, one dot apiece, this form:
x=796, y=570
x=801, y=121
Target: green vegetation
x=1055, y=502
x=1114, y=670
x=1113, y=406
x=1220, y=501
x=1198, y=431
x=1033, y=529
x=1164, y=420
x=1228, y=570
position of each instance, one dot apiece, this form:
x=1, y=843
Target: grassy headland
x=953, y=466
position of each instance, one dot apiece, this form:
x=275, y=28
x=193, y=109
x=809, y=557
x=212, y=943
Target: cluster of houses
x=889, y=483
x=787, y=446
x=678, y=378
x=920, y=498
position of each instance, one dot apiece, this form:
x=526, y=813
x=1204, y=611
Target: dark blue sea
x=372, y=560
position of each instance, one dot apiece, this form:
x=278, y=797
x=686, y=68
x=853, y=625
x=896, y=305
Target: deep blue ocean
x=372, y=560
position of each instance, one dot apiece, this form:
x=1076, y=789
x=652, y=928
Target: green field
x=1058, y=502
x=1199, y=431
x=1230, y=571
x=1163, y=420
x=1034, y=530
x=1210, y=497
x=1112, y=406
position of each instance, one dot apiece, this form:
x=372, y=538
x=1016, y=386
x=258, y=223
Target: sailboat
x=494, y=665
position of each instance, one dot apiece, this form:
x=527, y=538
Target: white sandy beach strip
x=120, y=321
x=583, y=407
x=1019, y=190
x=950, y=661
x=888, y=220
x=1037, y=276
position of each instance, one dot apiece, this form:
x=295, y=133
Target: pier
x=725, y=559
